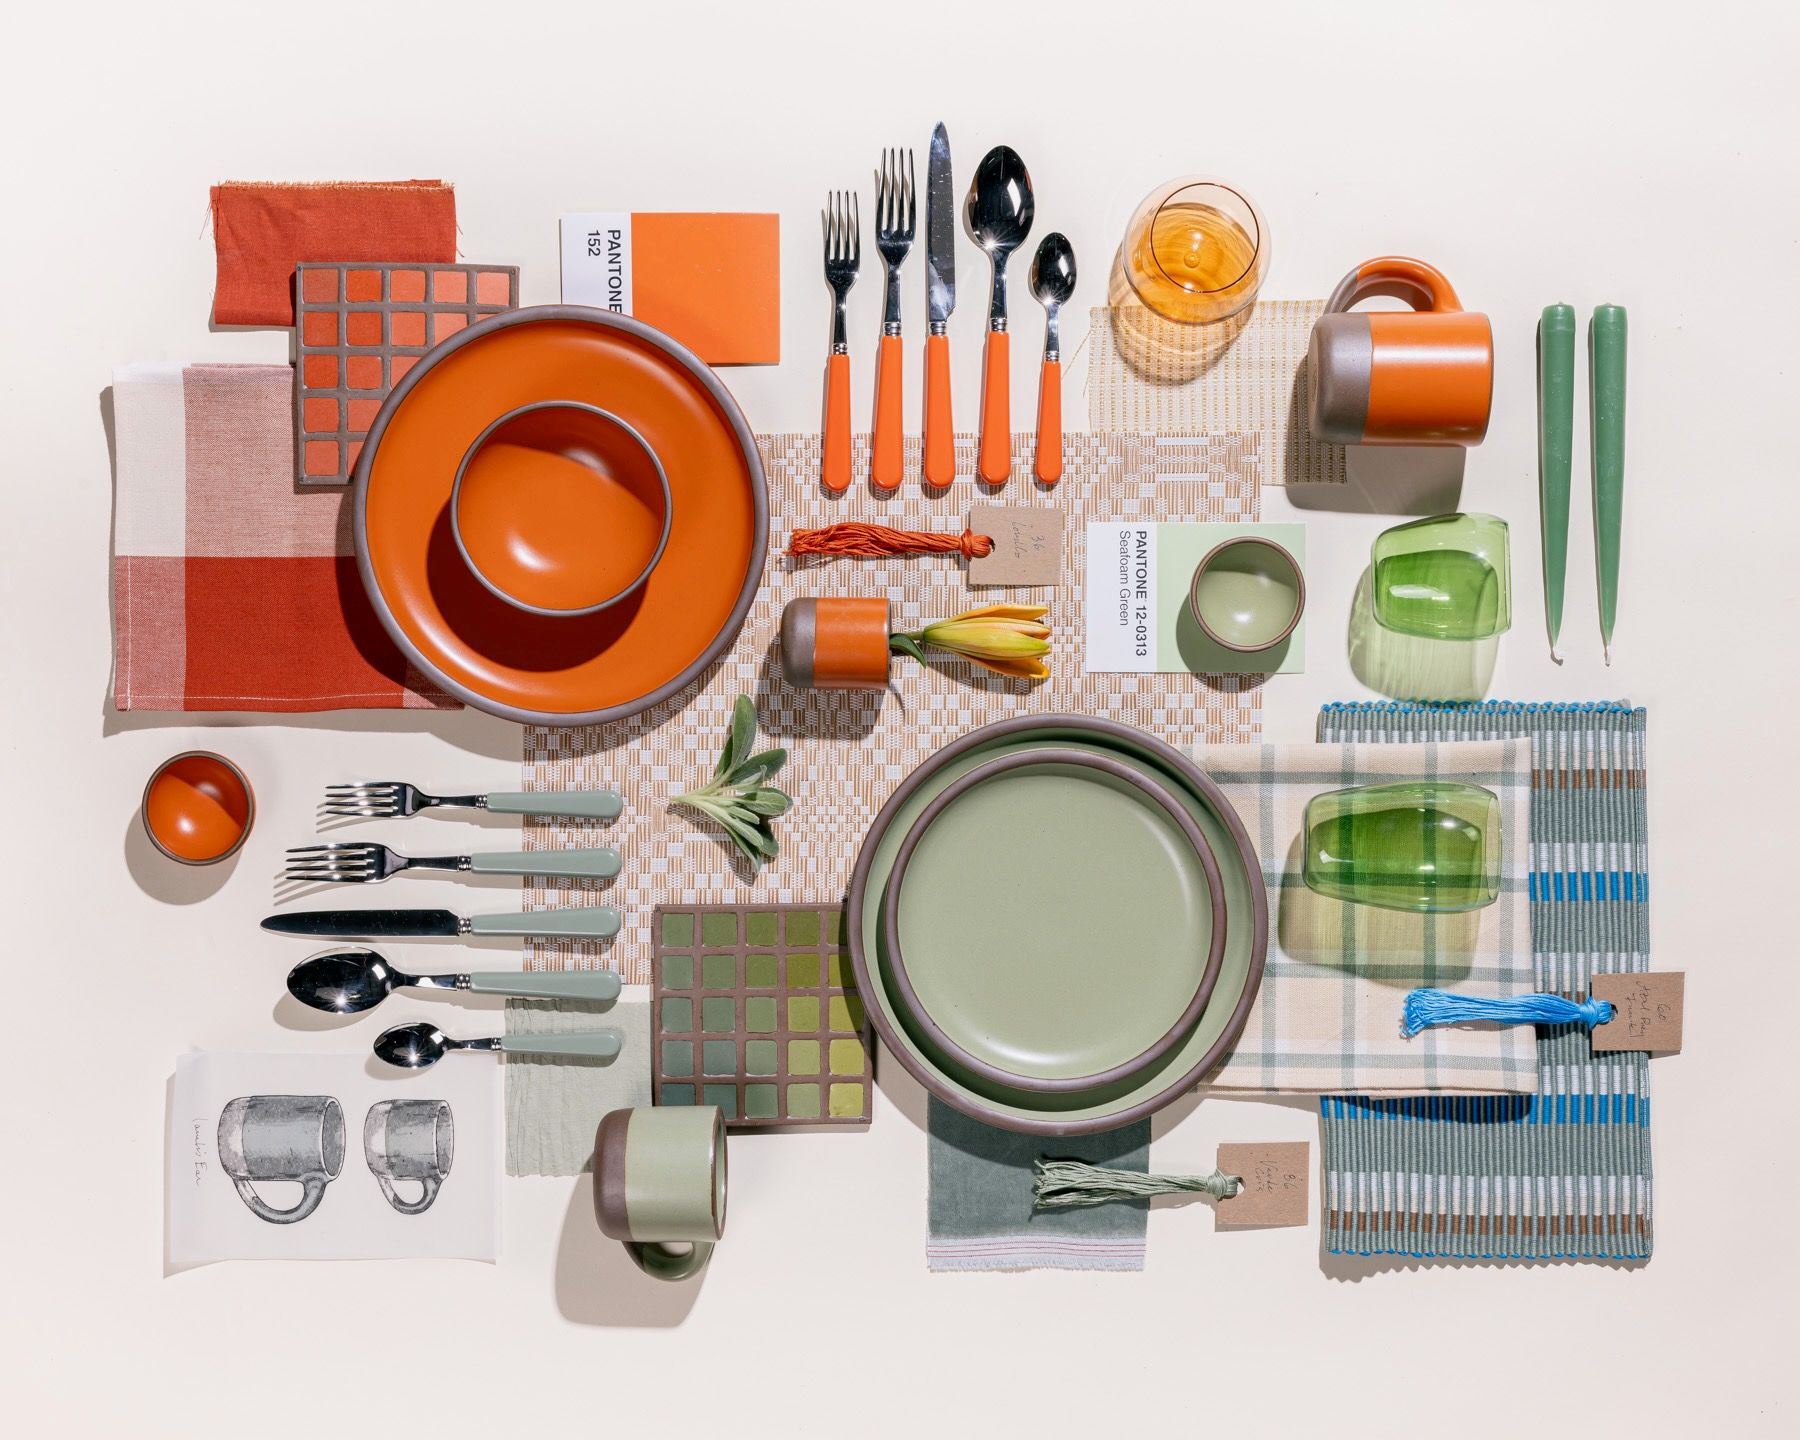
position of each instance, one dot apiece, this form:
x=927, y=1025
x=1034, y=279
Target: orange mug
x=1423, y=376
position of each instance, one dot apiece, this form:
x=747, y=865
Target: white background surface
x=1642, y=154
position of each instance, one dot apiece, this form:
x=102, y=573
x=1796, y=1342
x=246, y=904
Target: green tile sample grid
x=757, y=1012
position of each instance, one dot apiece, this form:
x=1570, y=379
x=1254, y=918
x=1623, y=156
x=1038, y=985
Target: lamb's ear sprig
x=739, y=795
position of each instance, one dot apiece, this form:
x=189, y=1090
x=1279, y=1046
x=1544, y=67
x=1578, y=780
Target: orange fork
x=895, y=216
x=842, y=219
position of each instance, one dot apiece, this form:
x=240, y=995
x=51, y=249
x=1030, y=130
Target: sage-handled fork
x=365, y=861
x=842, y=219
x=895, y=216
x=388, y=799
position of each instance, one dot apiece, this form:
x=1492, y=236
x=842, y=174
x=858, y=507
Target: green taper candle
x=1556, y=450
x=1606, y=401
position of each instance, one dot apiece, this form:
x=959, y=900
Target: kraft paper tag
x=1027, y=545
x=1646, y=1011
x=1277, y=1185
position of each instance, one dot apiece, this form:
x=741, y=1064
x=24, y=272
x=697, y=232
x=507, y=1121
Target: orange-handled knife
x=940, y=301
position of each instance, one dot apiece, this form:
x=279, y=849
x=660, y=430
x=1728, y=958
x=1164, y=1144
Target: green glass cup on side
x=1448, y=577
x=1428, y=846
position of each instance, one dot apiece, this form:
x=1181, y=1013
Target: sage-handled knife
x=940, y=301
x=1556, y=451
x=577, y=922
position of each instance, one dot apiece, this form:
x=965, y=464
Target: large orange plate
x=566, y=670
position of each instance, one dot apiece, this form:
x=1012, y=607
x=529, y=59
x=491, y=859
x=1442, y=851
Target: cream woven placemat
x=848, y=751
x=1145, y=374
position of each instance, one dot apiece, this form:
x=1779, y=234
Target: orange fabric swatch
x=261, y=230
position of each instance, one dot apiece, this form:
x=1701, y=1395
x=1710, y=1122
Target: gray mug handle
x=660, y=1263
x=309, y=1200
x=411, y=1207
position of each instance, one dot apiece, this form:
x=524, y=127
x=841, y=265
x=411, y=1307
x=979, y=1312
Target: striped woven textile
x=1564, y=1174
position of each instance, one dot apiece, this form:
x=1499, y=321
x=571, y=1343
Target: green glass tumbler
x=1429, y=846
x=1445, y=578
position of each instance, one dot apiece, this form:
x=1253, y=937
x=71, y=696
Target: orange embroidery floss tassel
x=874, y=542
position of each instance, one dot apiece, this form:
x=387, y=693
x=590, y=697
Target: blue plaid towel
x=1563, y=1174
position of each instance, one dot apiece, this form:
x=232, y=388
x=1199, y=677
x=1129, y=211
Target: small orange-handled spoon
x=1052, y=282
x=998, y=213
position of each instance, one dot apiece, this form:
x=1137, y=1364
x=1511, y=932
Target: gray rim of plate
x=1033, y=759
x=688, y=361
x=1048, y=1124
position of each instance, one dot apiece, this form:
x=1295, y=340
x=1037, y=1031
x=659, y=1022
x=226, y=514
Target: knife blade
x=940, y=230
x=371, y=924
x=587, y=922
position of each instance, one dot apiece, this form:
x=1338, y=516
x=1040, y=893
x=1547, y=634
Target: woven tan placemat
x=848, y=751
x=1145, y=374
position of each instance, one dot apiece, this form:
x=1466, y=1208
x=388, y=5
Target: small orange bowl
x=198, y=808
x=561, y=508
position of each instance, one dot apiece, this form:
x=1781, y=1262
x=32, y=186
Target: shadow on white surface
x=1390, y=480
x=598, y=1283
x=168, y=880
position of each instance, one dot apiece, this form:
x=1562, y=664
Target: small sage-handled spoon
x=348, y=981
x=1052, y=282
x=413, y=1047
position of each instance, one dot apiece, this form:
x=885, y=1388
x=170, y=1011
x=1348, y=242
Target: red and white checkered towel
x=233, y=590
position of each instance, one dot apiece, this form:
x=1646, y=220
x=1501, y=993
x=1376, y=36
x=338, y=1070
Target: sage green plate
x=1118, y=1103
x=1049, y=921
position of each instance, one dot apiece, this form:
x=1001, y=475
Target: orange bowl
x=561, y=508
x=198, y=808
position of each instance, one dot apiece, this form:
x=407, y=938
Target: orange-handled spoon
x=998, y=213
x=1052, y=282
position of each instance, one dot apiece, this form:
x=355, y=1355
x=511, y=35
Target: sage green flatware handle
x=548, y=984
x=596, y=864
x=582, y=804
x=595, y=1045
x=580, y=922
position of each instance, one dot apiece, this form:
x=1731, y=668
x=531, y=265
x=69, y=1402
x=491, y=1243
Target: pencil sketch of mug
x=265, y=1138
x=410, y=1140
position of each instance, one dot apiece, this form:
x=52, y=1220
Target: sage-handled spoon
x=347, y=981
x=413, y=1047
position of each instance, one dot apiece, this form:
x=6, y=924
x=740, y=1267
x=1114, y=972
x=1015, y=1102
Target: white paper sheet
x=288, y=1125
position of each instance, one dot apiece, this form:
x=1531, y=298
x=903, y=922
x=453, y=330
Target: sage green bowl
x=1247, y=594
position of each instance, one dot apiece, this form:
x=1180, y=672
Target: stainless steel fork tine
x=911, y=209
x=856, y=230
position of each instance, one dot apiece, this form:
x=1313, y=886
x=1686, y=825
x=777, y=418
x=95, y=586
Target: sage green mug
x=659, y=1185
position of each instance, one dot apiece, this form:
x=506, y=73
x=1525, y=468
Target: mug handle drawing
x=312, y=1192
x=411, y=1207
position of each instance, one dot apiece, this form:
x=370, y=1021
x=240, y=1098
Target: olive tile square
x=757, y=1012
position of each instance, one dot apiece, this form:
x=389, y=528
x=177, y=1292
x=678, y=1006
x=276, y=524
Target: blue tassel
x=1425, y=1008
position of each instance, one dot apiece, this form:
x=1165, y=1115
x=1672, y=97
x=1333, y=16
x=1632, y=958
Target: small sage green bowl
x=1247, y=594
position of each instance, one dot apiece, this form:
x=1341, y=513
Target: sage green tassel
x=1069, y=1182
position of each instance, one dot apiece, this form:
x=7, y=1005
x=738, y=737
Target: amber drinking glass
x=1196, y=251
